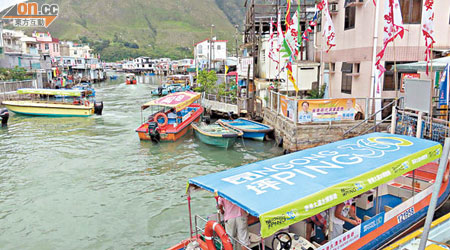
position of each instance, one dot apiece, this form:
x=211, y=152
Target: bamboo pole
x=431, y=94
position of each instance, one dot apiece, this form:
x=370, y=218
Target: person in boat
x=172, y=114
x=305, y=115
x=343, y=213
x=318, y=220
x=236, y=224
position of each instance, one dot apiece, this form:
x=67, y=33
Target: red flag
x=428, y=28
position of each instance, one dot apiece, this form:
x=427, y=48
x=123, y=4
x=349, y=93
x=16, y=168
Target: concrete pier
x=295, y=137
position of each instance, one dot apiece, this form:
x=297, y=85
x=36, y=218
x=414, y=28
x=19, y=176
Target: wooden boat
x=216, y=134
x=391, y=178
x=79, y=106
x=252, y=130
x=438, y=238
x=130, y=79
x=160, y=127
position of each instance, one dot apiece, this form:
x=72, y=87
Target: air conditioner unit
x=334, y=7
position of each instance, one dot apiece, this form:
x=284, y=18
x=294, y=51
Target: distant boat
x=80, y=106
x=252, y=130
x=113, y=77
x=130, y=79
x=216, y=134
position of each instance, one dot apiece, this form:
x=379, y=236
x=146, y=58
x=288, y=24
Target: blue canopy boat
x=252, y=130
x=113, y=77
x=216, y=134
x=391, y=178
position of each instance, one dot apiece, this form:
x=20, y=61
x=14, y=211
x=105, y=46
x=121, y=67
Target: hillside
x=120, y=29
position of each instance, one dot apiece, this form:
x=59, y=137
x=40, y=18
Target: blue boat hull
x=254, y=136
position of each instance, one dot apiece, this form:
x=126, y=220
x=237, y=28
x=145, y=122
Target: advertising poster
x=288, y=107
x=326, y=110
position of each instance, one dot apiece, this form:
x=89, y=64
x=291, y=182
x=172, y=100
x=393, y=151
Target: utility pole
x=210, y=47
x=236, y=38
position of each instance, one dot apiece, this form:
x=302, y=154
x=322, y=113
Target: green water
x=89, y=183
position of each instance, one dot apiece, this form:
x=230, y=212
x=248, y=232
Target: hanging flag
x=290, y=44
x=280, y=34
x=328, y=31
x=393, y=27
x=290, y=76
x=272, y=43
x=287, y=22
x=428, y=28
x=443, y=86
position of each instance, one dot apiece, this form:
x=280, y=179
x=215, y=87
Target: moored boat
x=216, y=134
x=130, y=79
x=4, y=116
x=389, y=177
x=438, y=238
x=79, y=106
x=114, y=77
x=171, y=117
x=252, y=130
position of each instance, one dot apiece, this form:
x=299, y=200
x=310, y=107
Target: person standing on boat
x=236, y=223
x=343, y=213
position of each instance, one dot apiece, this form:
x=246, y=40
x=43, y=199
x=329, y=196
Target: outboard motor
x=153, y=131
x=160, y=89
x=4, y=116
x=98, y=108
x=206, y=119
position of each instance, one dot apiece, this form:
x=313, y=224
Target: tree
x=207, y=79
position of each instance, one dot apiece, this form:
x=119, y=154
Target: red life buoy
x=87, y=103
x=166, y=119
x=213, y=226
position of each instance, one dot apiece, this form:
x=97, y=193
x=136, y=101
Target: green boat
x=216, y=134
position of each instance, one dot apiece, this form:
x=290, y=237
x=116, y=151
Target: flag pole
x=431, y=93
x=374, y=53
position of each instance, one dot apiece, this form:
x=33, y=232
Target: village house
x=350, y=62
x=210, y=53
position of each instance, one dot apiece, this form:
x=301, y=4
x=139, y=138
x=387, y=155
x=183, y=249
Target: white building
x=209, y=52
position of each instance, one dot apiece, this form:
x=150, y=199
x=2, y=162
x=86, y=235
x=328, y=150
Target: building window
x=74, y=52
x=200, y=49
x=357, y=67
x=218, y=47
x=411, y=11
x=46, y=46
x=350, y=14
x=389, y=80
x=346, y=85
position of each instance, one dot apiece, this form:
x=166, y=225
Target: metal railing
x=274, y=104
x=373, y=117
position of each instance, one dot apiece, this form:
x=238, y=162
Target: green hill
x=119, y=29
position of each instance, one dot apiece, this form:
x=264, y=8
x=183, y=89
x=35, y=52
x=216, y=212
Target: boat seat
x=366, y=218
x=387, y=208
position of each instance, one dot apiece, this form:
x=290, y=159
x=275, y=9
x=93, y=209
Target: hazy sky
x=4, y=4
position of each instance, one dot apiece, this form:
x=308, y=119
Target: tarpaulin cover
x=62, y=92
x=178, y=100
x=438, y=65
x=284, y=190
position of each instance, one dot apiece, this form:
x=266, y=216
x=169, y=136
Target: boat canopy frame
x=51, y=92
x=302, y=184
